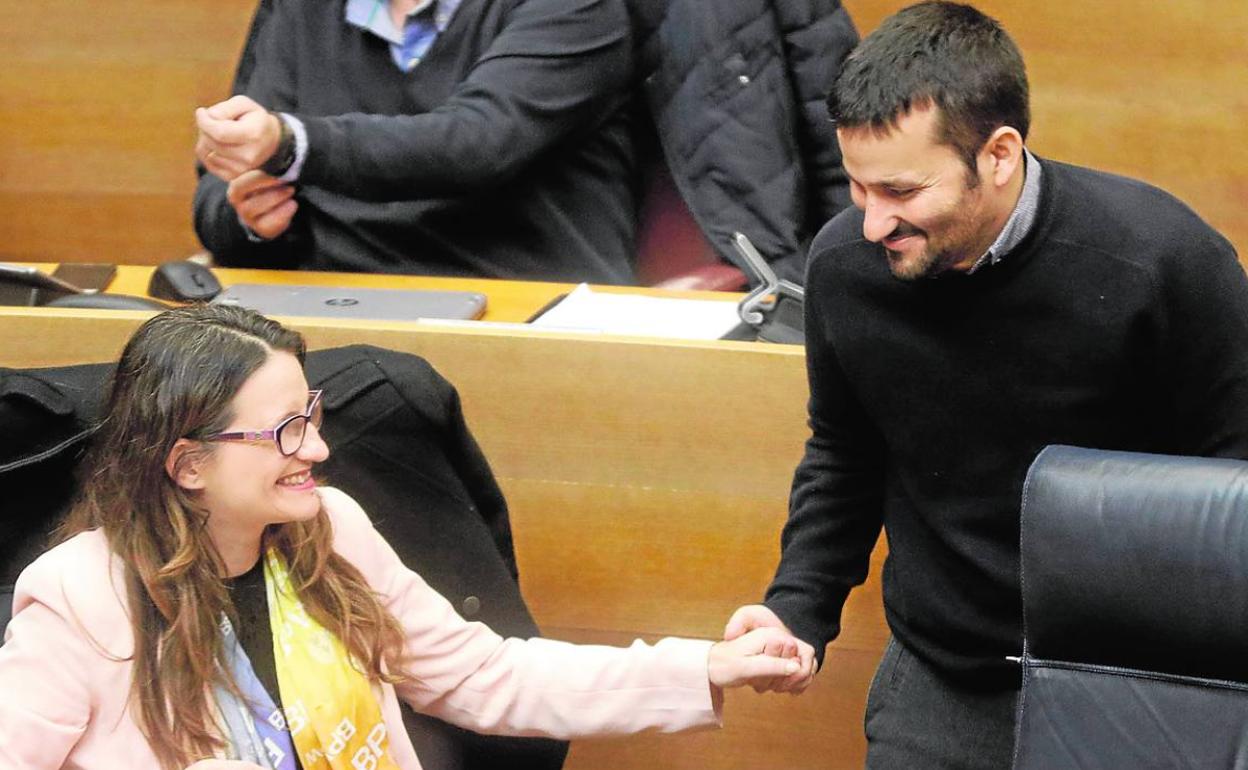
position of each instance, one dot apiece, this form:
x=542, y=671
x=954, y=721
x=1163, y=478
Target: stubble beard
x=925, y=265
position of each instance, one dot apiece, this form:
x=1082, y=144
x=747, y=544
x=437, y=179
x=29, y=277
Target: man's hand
x=264, y=204
x=753, y=617
x=236, y=136
x=757, y=657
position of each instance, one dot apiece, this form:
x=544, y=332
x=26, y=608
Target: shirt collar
x=1021, y=219
x=374, y=16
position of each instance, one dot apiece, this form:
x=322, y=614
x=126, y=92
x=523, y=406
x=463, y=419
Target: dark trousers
x=918, y=720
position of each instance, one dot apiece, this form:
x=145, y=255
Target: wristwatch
x=284, y=156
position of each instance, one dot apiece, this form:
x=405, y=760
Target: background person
x=440, y=137
x=733, y=101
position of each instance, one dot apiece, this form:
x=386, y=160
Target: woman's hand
x=760, y=658
x=223, y=764
x=755, y=616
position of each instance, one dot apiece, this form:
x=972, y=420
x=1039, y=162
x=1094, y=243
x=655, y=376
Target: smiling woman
x=246, y=486
x=210, y=600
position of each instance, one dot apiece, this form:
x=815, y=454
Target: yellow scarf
x=331, y=709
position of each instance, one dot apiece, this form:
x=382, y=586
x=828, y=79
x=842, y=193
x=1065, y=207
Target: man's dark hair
x=935, y=53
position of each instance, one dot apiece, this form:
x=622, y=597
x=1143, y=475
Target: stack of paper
x=639, y=315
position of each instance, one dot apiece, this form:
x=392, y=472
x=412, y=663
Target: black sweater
x=1120, y=322
x=505, y=153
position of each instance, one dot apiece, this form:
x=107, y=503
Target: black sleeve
x=221, y=232
x=1204, y=354
x=557, y=67
x=265, y=73
x=835, y=508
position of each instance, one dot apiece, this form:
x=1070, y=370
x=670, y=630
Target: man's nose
x=878, y=220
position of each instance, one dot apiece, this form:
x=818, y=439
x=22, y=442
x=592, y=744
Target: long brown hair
x=177, y=378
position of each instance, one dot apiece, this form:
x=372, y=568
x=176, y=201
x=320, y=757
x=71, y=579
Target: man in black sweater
x=976, y=305
x=441, y=137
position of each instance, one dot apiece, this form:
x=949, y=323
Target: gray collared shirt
x=1022, y=218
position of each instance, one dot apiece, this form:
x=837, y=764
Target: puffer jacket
x=736, y=91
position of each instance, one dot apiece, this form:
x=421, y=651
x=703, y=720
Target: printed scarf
x=331, y=717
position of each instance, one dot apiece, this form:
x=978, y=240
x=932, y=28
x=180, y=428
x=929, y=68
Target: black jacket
x=736, y=91
x=399, y=445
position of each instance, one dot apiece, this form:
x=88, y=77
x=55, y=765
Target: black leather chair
x=1135, y=612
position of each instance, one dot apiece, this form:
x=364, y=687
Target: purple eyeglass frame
x=314, y=399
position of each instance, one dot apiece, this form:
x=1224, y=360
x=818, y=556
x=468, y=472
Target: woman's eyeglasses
x=289, y=433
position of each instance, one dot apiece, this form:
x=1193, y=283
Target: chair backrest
x=1135, y=611
x=672, y=250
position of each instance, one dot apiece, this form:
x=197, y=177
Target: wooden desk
x=648, y=483
x=508, y=301
x=61, y=344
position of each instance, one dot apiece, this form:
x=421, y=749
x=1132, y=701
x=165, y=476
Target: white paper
x=643, y=316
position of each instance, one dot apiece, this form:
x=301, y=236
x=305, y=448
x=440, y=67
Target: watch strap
x=284, y=156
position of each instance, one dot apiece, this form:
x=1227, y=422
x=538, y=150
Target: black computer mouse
x=106, y=302
x=184, y=281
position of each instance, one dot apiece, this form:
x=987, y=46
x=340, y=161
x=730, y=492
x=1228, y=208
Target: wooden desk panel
x=690, y=558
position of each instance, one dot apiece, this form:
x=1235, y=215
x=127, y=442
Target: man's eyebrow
x=901, y=180
x=897, y=179
x=890, y=181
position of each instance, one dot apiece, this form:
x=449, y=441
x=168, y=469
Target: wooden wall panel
x=96, y=103
x=96, y=123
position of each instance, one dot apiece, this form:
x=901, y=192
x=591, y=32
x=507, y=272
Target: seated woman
x=212, y=607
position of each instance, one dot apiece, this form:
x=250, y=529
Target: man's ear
x=1003, y=154
x=184, y=465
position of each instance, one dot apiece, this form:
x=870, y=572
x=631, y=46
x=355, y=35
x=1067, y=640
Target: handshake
x=759, y=650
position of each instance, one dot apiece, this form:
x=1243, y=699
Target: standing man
x=978, y=304
x=442, y=137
